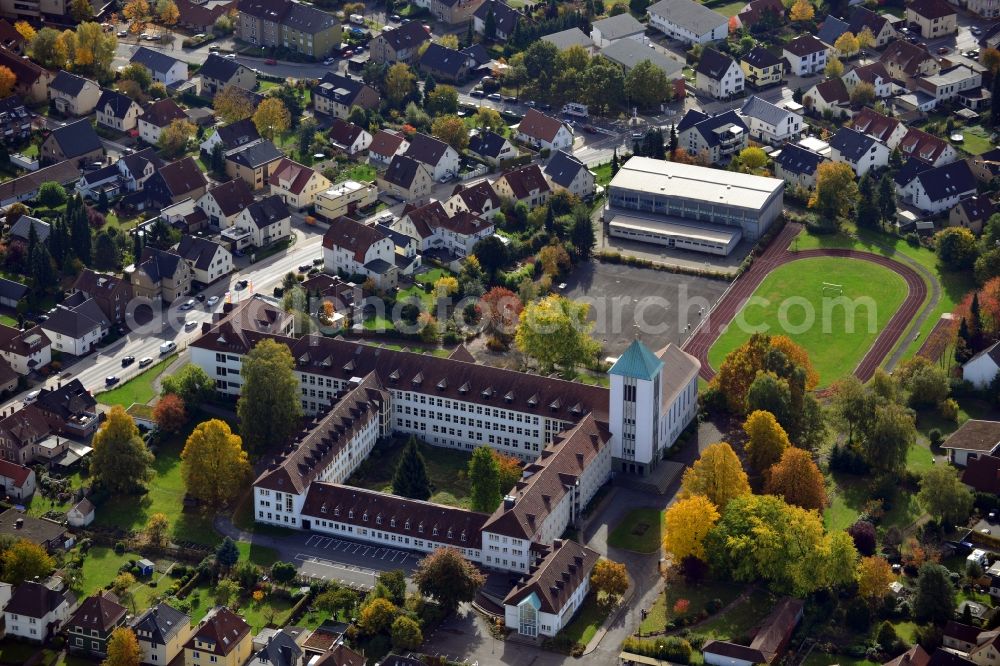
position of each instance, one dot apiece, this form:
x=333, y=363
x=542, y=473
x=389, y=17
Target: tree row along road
x=777, y=254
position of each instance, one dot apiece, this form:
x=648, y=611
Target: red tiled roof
x=222, y=630
x=539, y=126
x=17, y=473
x=288, y=170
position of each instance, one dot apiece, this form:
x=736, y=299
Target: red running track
x=777, y=254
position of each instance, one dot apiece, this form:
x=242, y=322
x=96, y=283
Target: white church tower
x=653, y=398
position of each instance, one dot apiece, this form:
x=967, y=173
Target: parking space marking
x=374, y=551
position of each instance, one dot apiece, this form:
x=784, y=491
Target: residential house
x=623, y=26
x=126, y=176
x=878, y=23
x=441, y=159
x=454, y=12
x=53, y=537
x=286, y=24
x=830, y=96
x=35, y=612
x=988, y=9
x=492, y=147
x=10, y=38
x=717, y=138
x=25, y=188
x=719, y=75
x=688, y=21
x=277, y=648
x=905, y=61
x=973, y=438
x=972, y=213
x=950, y=83
x=12, y=292
x=349, y=137
x=352, y=248
x=435, y=230
x=445, y=64
x=628, y=53
x=544, y=132
x=267, y=220
x=15, y=121
x=75, y=142
x=20, y=232
x=254, y=163
x=806, y=55
x=927, y=148
x=31, y=80
x=89, y=628
x=760, y=14
x=164, y=69
x=22, y=437
x=201, y=18
x=406, y=179
x=117, y=111
x=960, y=637
x=938, y=189
x=222, y=639
x=768, y=644
x=76, y=329
x=861, y=151
x=223, y=203
x=386, y=145
x=400, y=44
x=81, y=514
x=8, y=379
x=566, y=39
x=111, y=292
x=217, y=73
x=769, y=123
x=25, y=351
x=982, y=369
x=567, y=172
x=527, y=184
x=156, y=117
x=505, y=18
x=73, y=95
x=797, y=165
x=546, y=602
x=18, y=481
x=69, y=407
x=935, y=18
x=761, y=68
x=176, y=181
x=480, y=199
x=162, y=632
x=161, y=274
x=874, y=74
x=335, y=95
x=207, y=259
x=297, y=184
x=345, y=198
x=232, y=137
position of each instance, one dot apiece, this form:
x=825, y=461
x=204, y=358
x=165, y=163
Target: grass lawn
x=816, y=658
x=379, y=324
x=640, y=531
x=140, y=389
x=426, y=300
x=262, y=556
x=602, y=173
x=166, y=495
x=273, y=609
x=698, y=595
x=919, y=459
x=977, y=140
x=848, y=499
x=954, y=285
x=835, y=342
x=446, y=468
x=736, y=623
x=101, y=565
x=587, y=621
x=432, y=276
x=7, y=320
x=726, y=8
x=364, y=173
x=38, y=506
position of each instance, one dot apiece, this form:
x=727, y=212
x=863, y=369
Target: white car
x=31, y=396
x=213, y=300
x=231, y=56
x=188, y=304
x=329, y=61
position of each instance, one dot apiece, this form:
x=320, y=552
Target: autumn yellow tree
x=611, y=578
x=836, y=190
x=175, y=136
x=7, y=81
x=834, y=69
x=377, y=616
x=686, y=523
x=801, y=11
x=232, y=105
x=123, y=648
x=137, y=13
x=400, y=82
x=271, y=118
x=847, y=45
x=554, y=259
x=213, y=463
x=25, y=561
x=167, y=12
x=25, y=30
x=157, y=530
x=797, y=478
x=990, y=58
x=717, y=474
x=766, y=439
x=874, y=575
x=451, y=130
x=866, y=39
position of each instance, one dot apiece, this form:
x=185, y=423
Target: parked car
x=231, y=56
x=304, y=268
x=329, y=61
x=213, y=300
x=123, y=33
x=167, y=347
x=242, y=284
x=31, y=397
x=271, y=61
x=976, y=30
x=111, y=381
x=145, y=361
x=476, y=92
x=188, y=304
x=495, y=97
x=127, y=361
x=201, y=298
x=943, y=50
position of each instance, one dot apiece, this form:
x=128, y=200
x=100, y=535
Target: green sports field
x=796, y=287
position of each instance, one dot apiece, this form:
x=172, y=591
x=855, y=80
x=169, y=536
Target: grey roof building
x=22, y=228
x=628, y=53
x=567, y=38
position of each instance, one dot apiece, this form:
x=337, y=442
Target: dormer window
x=435, y=532
x=378, y=520
x=350, y=514
x=406, y=525
x=364, y=516
x=449, y=532
x=420, y=528
x=463, y=535
x=392, y=522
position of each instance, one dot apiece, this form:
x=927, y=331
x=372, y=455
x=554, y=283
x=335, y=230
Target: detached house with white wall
x=441, y=159
x=297, y=184
x=806, y=55
x=117, y=111
x=353, y=248
x=36, y=613
x=770, y=123
x=544, y=132
x=623, y=26
x=688, y=21
x=719, y=75
x=860, y=151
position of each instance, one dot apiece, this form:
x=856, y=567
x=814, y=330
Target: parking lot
x=350, y=563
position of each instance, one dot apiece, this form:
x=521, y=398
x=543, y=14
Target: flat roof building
x=690, y=207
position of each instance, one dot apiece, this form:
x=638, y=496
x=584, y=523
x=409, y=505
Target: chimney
x=508, y=502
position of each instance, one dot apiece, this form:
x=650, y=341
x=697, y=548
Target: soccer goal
x=831, y=288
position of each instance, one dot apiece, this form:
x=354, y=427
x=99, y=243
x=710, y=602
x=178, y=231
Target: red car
x=271, y=61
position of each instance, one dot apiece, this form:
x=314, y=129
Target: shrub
x=935, y=437
x=120, y=548
x=670, y=648
x=949, y=410
x=713, y=606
